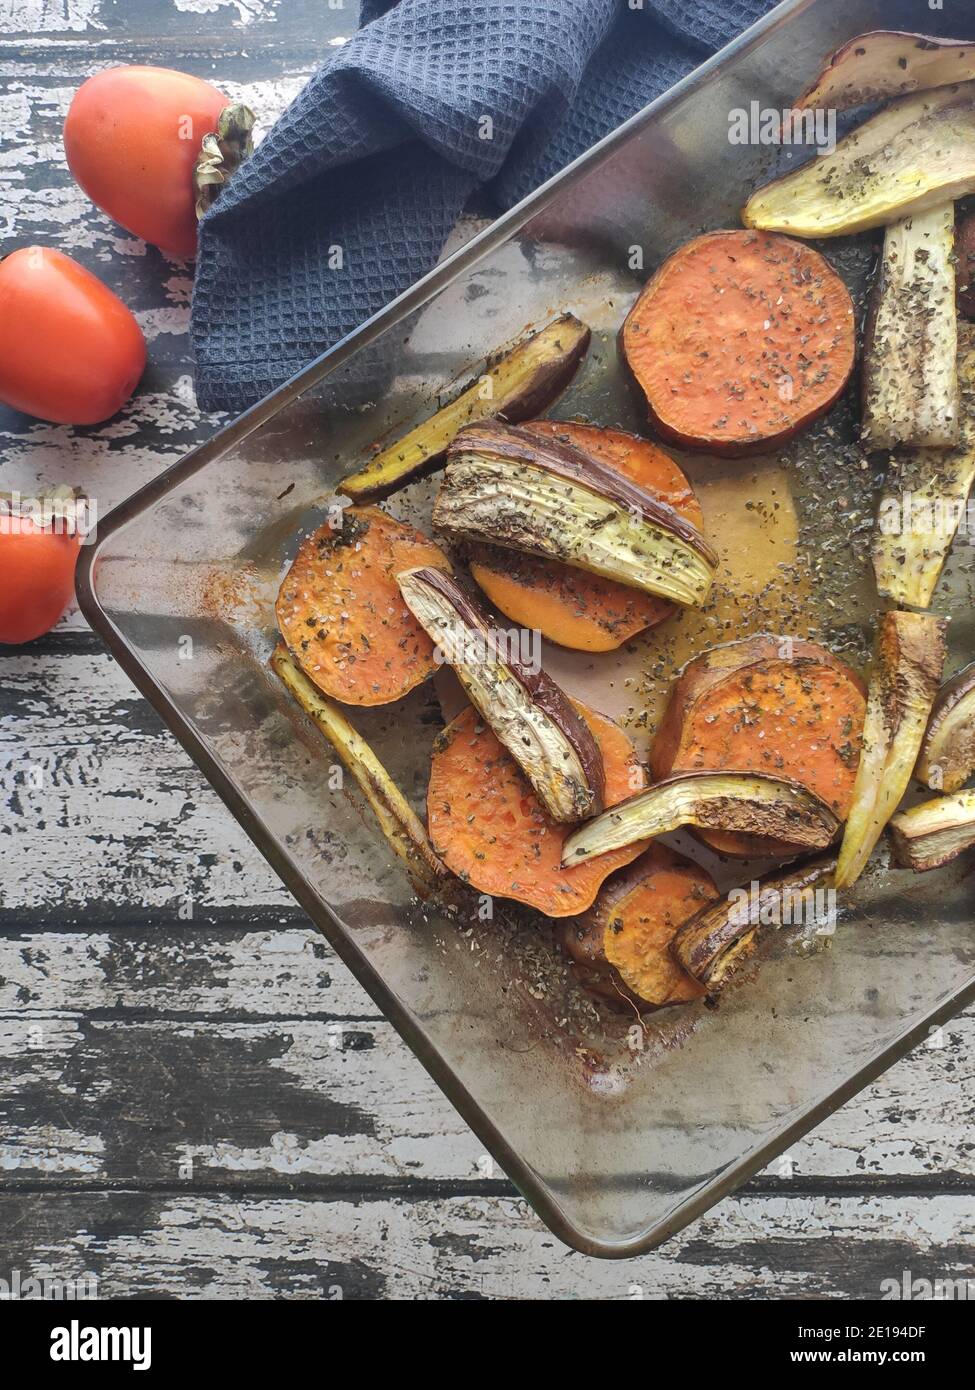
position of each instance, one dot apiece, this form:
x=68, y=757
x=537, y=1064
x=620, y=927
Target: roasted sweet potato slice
x=739, y=341
x=342, y=614
x=622, y=944
x=489, y=828
x=571, y=606
x=777, y=705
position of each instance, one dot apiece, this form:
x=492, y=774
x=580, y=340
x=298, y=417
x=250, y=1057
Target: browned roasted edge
x=541, y=689
x=706, y=938
x=958, y=689
x=809, y=811
x=922, y=41
x=568, y=461
x=900, y=845
x=694, y=443
x=546, y=384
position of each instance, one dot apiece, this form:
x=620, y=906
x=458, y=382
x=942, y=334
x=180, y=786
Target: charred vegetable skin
x=887, y=63
x=909, y=551
x=528, y=712
x=715, y=942
x=739, y=341
x=341, y=612
x=490, y=829
x=543, y=496
x=621, y=946
x=568, y=605
x=399, y=823
x=932, y=834
x=772, y=704
x=739, y=801
x=965, y=256
x=910, y=368
x=907, y=668
x=521, y=384
x=915, y=154
x=947, y=758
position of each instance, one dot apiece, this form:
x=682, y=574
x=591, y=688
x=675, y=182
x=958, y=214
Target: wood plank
x=260, y=1059
x=188, y=1246
x=180, y=24
x=102, y=806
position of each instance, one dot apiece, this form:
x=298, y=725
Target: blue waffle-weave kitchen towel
x=379, y=153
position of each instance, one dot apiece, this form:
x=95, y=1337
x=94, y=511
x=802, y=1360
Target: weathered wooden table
x=210, y=1107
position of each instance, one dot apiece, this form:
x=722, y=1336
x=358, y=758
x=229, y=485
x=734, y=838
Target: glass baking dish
x=617, y=1134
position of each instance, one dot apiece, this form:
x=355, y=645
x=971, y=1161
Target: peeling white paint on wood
x=751, y=1247
x=248, y=11
x=44, y=16
x=319, y=1034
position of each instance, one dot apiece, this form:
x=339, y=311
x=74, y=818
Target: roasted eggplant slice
x=910, y=363
x=934, y=833
x=909, y=658
x=741, y=801
x=399, y=823
x=886, y=63
x=917, y=153
x=947, y=757
x=547, y=497
x=531, y=716
x=718, y=939
x=924, y=501
x=519, y=386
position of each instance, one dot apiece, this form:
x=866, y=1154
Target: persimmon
x=132, y=138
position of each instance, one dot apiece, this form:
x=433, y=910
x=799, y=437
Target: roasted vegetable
x=531, y=716
x=965, y=258
x=521, y=384
x=490, y=829
x=739, y=341
x=397, y=819
x=947, y=757
x=934, y=833
x=621, y=946
x=887, y=63
x=341, y=612
x=567, y=605
x=917, y=153
x=907, y=668
x=546, y=497
x=711, y=945
x=924, y=501
x=742, y=801
x=910, y=356
x=772, y=704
